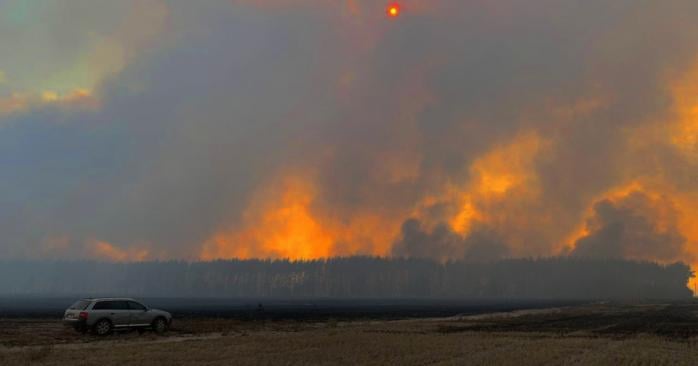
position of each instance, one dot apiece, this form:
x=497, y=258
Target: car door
x=121, y=313
x=117, y=311
x=139, y=314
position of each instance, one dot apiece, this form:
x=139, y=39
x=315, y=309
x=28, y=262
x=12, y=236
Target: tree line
x=353, y=277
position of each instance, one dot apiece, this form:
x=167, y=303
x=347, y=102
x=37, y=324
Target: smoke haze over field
x=140, y=130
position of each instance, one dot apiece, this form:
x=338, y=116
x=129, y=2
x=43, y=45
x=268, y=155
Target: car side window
x=102, y=305
x=119, y=305
x=111, y=305
x=80, y=305
x=135, y=306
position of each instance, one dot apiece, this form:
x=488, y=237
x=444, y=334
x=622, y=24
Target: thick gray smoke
x=628, y=229
x=442, y=244
x=383, y=115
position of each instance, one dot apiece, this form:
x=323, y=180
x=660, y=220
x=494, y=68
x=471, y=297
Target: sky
x=154, y=129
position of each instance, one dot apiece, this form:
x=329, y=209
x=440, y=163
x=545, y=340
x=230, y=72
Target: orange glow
x=506, y=167
x=680, y=133
x=501, y=189
x=504, y=173
x=283, y=227
x=684, y=137
x=580, y=232
x=669, y=209
x=462, y=221
x=106, y=251
x=21, y=102
x=77, y=97
x=394, y=10
x=613, y=195
x=287, y=221
x=14, y=103
x=684, y=134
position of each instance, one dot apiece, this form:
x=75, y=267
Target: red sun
x=393, y=10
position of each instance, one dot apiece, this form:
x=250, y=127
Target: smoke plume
x=470, y=130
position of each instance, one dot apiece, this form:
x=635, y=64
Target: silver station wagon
x=104, y=315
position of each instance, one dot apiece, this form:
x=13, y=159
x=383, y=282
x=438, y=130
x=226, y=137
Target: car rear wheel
x=160, y=325
x=102, y=327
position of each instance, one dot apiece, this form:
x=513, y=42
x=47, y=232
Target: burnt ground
x=312, y=310
x=49, y=331
x=599, y=334
x=673, y=321
x=670, y=320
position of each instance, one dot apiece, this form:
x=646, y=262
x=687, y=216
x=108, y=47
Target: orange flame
x=284, y=227
x=503, y=173
x=107, y=251
x=291, y=220
x=285, y=222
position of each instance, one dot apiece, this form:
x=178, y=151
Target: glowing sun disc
x=393, y=10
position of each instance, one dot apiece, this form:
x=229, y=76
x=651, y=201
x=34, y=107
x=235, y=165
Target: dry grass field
x=588, y=335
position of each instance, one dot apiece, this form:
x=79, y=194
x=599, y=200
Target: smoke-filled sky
x=478, y=129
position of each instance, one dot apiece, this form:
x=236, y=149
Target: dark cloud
x=439, y=244
x=442, y=244
x=630, y=228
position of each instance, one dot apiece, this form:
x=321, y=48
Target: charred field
x=311, y=309
x=542, y=333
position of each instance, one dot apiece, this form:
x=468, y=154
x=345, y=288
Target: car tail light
x=83, y=315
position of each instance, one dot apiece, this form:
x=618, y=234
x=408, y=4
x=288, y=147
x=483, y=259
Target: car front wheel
x=160, y=325
x=102, y=327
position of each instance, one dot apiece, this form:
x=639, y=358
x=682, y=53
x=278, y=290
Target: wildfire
x=685, y=129
x=499, y=172
x=291, y=218
x=283, y=227
x=107, y=251
x=667, y=208
x=288, y=221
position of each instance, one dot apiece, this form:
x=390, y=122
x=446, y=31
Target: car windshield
x=80, y=305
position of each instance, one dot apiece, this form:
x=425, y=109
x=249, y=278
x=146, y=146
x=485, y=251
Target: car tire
x=160, y=325
x=102, y=327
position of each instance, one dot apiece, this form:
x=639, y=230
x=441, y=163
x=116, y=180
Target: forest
x=353, y=277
